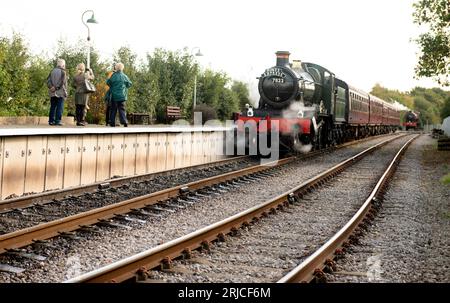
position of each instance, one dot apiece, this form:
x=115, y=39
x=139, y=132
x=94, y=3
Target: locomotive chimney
x=282, y=58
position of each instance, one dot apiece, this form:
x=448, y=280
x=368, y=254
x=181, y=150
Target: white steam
x=302, y=148
x=298, y=110
x=398, y=106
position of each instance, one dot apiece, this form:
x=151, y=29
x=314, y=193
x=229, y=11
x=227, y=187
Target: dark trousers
x=116, y=105
x=80, y=112
x=56, y=109
x=108, y=113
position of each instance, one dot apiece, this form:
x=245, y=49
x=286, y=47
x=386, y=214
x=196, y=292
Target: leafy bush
x=164, y=78
x=208, y=112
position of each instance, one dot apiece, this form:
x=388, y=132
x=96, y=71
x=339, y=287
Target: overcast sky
x=361, y=41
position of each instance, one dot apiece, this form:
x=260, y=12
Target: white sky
x=362, y=41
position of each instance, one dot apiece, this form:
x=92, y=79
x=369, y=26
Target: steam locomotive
x=411, y=120
x=311, y=106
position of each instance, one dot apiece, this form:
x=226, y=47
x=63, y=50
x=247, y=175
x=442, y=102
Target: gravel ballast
x=34, y=215
x=278, y=243
x=409, y=240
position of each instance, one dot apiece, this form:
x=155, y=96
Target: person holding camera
x=81, y=93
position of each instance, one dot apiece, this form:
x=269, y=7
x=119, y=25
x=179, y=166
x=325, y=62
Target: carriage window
x=341, y=93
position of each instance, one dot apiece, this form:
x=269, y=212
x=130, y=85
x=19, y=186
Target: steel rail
x=133, y=266
x=305, y=272
x=26, y=236
x=54, y=228
x=50, y=196
x=29, y=200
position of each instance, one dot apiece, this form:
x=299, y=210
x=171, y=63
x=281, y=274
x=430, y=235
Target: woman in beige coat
x=81, y=97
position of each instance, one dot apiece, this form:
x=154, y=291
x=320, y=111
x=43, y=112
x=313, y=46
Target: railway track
x=51, y=196
x=28, y=216
x=138, y=267
x=183, y=194
x=313, y=267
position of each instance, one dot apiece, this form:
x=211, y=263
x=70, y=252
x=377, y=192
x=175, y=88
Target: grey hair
x=81, y=68
x=61, y=63
x=119, y=66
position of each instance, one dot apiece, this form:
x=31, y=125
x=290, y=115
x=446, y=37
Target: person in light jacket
x=81, y=97
x=57, y=90
x=118, y=86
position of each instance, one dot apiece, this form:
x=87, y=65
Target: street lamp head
x=198, y=53
x=92, y=19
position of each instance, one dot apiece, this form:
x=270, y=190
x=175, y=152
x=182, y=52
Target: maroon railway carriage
x=376, y=111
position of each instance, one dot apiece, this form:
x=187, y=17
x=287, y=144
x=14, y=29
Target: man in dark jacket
x=57, y=90
x=118, y=86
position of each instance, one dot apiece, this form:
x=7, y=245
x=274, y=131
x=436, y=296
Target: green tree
x=210, y=85
x=38, y=71
x=242, y=93
x=446, y=109
x=170, y=80
x=434, y=60
x=164, y=78
x=227, y=104
x=14, y=82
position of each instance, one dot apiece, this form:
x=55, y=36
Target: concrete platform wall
x=37, y=163
x=32, y=120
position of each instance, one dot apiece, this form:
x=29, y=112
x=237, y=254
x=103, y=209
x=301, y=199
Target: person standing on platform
x=118, y=86
x=108, y=99
x=57, y=90
x=81, y=96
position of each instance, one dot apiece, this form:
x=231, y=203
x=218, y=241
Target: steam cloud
x=299, y=110
x=399, y=106
x=302, y=148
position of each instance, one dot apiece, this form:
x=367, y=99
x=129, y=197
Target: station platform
x=39, y=158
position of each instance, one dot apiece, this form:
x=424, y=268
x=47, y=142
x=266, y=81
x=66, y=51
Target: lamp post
x=90, y=20
x=198, y=54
